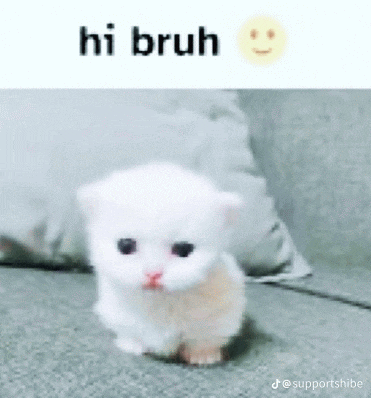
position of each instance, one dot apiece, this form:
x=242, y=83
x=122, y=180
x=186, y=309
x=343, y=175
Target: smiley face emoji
x=262, y=40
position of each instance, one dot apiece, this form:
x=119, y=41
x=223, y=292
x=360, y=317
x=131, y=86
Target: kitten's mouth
x=152, y=286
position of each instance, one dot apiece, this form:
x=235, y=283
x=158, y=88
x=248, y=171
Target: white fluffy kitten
x=157, y=235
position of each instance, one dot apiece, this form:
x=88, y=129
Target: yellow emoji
x=262, y=40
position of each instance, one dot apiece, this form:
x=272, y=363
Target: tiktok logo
x=276, y=384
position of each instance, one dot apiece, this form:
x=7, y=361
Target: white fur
x=203, y=300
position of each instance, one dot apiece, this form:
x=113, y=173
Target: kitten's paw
x=130, y=345
x=201, y=356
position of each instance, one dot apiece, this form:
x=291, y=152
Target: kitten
x=157, y=237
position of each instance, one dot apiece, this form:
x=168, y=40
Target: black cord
x=310, y=292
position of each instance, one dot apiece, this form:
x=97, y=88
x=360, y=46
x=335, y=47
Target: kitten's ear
x=231, y=205
x=88, y=199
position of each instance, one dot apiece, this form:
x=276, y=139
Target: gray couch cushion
x=314, y=149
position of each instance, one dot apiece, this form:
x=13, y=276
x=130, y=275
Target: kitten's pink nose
x=153, y=280
x=153, y=276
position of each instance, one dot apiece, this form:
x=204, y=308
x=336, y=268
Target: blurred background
x=314, y=148
x=311, y=146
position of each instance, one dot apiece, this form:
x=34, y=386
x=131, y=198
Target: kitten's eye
x=182, y=249
x=127, y=246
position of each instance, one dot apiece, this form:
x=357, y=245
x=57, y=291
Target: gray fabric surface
x=314, y=149
x=52, y=345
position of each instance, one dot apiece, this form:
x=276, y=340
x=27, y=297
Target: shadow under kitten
x=237, y=349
